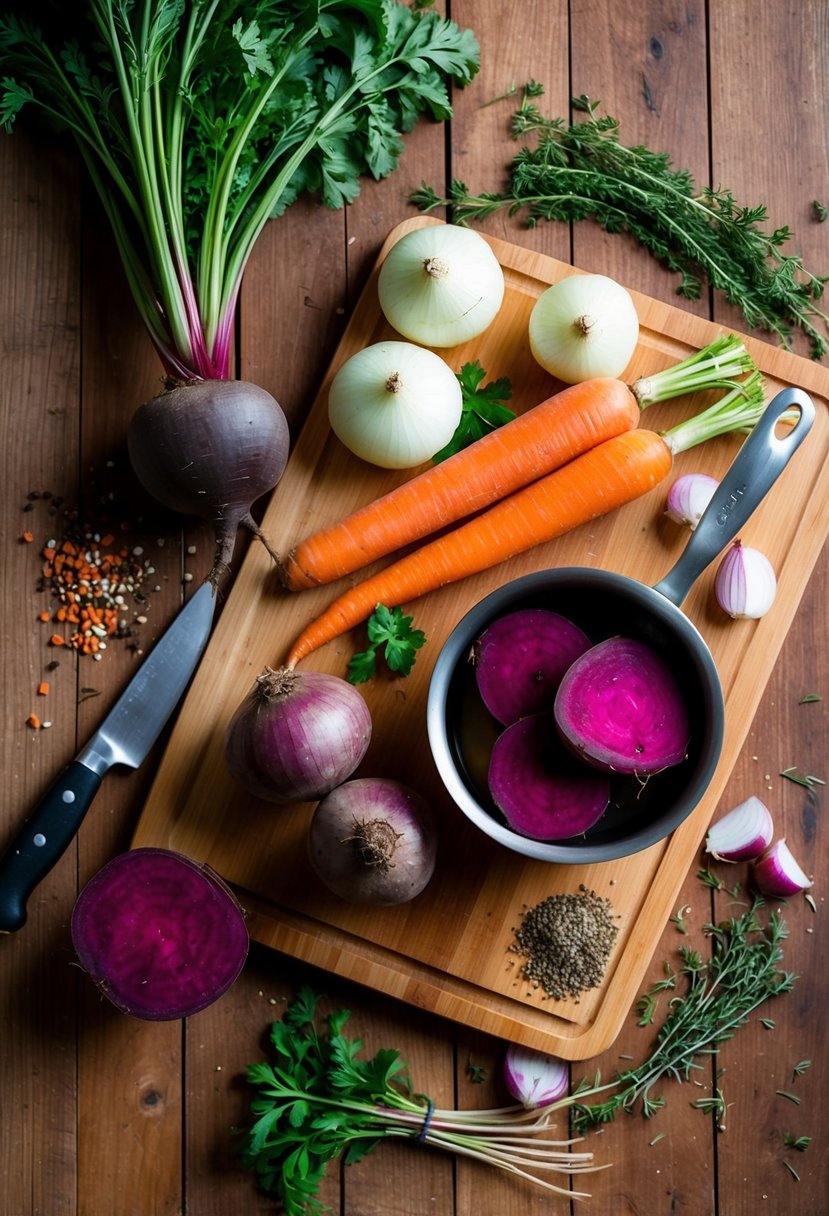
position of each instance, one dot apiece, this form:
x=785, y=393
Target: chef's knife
x=125, y=737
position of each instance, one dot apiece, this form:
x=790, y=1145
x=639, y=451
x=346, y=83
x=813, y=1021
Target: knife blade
x=124, y=737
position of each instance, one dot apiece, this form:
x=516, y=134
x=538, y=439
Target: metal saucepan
x=603, y=603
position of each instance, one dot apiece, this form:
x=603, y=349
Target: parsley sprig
x=390, y=633
x=582, y=170
x=318, y=1099
x=482, y=408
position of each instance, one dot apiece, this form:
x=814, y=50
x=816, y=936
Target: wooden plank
x=38, y=429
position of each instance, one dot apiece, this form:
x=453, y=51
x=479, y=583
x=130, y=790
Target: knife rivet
x=39, y=840
x=68, y=796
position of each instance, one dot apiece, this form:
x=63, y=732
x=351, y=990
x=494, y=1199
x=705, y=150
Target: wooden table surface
x=105, y=1115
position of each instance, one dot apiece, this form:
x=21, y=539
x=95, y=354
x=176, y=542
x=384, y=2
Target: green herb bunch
x=581, y=170
x=319, y=1101
x=741, y=973
x=199, y=120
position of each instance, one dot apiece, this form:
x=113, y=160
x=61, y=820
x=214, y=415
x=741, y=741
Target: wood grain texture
x=102, y=1116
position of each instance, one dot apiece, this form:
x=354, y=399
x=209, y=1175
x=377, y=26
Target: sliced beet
x=520, y=659
x=537, y=785
x=161, y=935
x=620, y=708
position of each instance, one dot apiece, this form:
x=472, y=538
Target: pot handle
x=753, y=472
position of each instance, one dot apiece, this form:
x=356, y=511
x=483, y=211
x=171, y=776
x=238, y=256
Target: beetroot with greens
x=620, y=707
x=538, y=786
x=520, y=658
x=198, y=123
x=159, y=934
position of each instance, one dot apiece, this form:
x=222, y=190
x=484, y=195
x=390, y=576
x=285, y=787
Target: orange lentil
x=27, y=536
x=34, y=721
x=57, y=640
x=43, y=689
x=45, y=615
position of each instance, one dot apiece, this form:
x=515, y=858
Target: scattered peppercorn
x=566, y=941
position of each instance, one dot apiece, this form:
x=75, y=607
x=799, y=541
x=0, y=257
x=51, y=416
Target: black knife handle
x=43, y=840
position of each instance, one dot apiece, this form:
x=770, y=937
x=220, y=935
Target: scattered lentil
x=566, y=941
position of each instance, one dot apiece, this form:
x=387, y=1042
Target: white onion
x=688, y=497
x=583, y=327
x=742, y=834
x=395, y=404
x=440, y=285
x=534, y=1078
x=745, y=583
x=777, y=872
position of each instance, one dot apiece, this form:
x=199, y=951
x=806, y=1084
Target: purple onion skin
x=403, y=860
x=777, y=873
x=159, y=934
x=297, y=735
x=620, y=708
x=538, y=786
x=520, y=659
x=211, y=448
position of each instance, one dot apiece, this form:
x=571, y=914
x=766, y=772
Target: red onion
x=160, y=935
x=520, y=658
x=777, y=873
x=742, y=834
x=534, y=1078
x=688, y=497
x=745, y=583
x=373, y=841
x=297, y=735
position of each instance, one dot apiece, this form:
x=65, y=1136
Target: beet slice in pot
x=159, y=934
x=619, y=707
x=538, y=786
x=520, y=659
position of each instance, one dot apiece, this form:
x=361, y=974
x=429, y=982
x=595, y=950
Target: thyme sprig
x=582, y=170
x=740, y=975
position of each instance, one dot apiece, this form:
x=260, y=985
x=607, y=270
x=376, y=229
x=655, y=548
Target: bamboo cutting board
x=448, y=951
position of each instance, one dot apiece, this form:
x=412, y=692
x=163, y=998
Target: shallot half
x=534, y=1078
x=777, y=873
x=743, y=833
x=745, y=583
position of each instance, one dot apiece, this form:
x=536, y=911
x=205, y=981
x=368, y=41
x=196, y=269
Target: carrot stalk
x=524, y=449
x=603, y=478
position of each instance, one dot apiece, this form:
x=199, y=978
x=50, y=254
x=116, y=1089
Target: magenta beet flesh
x=160, y=935
x=520, y=659
x=540, y=789
x=619, y=707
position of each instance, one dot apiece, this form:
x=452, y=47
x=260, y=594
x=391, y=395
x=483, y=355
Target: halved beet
x=619, y=707
x=537, y=785
x=520, y=659
x=161, y=935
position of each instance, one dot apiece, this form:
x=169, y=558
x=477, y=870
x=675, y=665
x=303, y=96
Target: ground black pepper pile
x=566, y=941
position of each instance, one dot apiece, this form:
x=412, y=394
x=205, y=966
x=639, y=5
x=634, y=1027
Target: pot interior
x=642, y=810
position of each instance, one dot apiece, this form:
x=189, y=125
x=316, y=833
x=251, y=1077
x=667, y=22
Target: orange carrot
x=605, y=477
x=521, y=451
x=613, y=473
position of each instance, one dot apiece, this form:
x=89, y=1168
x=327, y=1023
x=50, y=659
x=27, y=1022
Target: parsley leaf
x=391, y=632
x=482, y=409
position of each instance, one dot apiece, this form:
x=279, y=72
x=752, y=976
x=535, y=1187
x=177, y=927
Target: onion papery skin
x=534, y=1078
x=745, y=584
x=297, y=735
x=743, y=833
x=539, y=787
x=406, y=860
x=620, y=708
x=159, y=934
x=440, y=286
x=520, y=659
x=583, y=327
x=395, y=404
x=777, y=873
x=210, y=448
